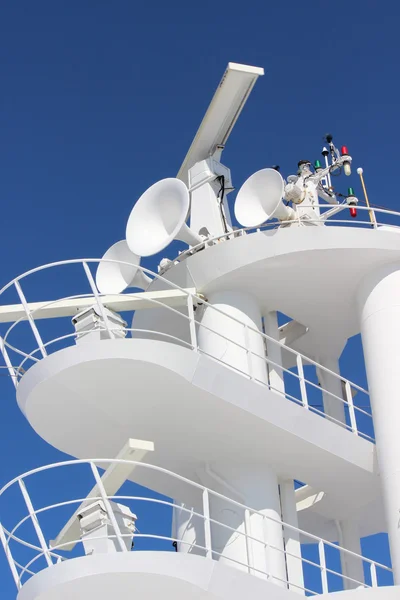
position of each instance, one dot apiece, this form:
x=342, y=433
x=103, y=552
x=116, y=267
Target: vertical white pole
x=322, y=562
x=274, y=352
x=30, y=319
x=352, y=412
x=108, y=507
x=374, y=579
x=35, y=522
x=98, y=301
x=10, y=368
x=249, y=356
x=294, y=563
x=192, y=322
x=10, y=558
x=207, y=526
x=247, y=531
x=349, y=539
x=303, y=387
x=379, y=313
x=333, y=407
x=328, y=176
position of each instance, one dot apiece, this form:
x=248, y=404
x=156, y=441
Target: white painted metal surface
x=229, y=331
x=222, y=114
x=69, y=307
x=158, y=217
x=379, y=314
x=238, y=407
x=112, y=479
x=248, y=330
x=259, y=563
x=260, y=199
x=115, y=277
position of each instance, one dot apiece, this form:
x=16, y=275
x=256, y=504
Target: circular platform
x=147, y=575
x=88, y=400
x=310, y=274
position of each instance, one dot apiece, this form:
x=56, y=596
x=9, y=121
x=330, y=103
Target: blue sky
x=101, y=99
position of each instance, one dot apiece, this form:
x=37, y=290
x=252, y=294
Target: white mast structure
x=208, y=400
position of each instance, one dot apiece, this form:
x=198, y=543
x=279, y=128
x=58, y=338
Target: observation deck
x=43, y=568
x=134, y=365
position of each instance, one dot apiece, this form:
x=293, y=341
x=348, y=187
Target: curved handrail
x=193, y=298
x=204, y=516
x=180, y=341
x=152, y=300
x=277, y=224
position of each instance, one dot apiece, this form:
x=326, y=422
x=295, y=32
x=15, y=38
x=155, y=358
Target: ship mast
x=197, y=388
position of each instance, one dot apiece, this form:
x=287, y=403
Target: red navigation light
x=344, y=151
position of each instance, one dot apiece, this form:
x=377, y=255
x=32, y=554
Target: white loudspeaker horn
x=158, y=217
x=260, y=199
x=114, y=278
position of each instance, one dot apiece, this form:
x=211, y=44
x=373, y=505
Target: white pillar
x=274, y=352
x=379, y=312
x=349, y=538
x=294, y=563
x=258, y=489
x=332, y=406
x=230, y=341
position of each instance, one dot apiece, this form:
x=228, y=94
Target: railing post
x=207, y=525
x=98, y=301
x=248, y=351
x=322, y=562
x=192, y=322
x=303, y=388
x=108, y=507
x=249, y=546
x=374, y=579
x=352, y=414
x=10, y=558
x=35, y=522
x=7, y=360
x=30, y=319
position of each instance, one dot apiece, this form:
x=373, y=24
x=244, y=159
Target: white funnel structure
x=113, y=278
x=158, y=217
x=260, y=199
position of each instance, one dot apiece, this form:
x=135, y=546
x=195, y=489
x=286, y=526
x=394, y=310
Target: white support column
x=349, y=538
x=332, y=406
x=294, y=564
x=274, y=352
x=264, y=554
x=379, y=313
x=228, y=340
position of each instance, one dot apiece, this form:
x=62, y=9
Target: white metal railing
x=390, y=218
x=30, y=551
x=300, y=386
